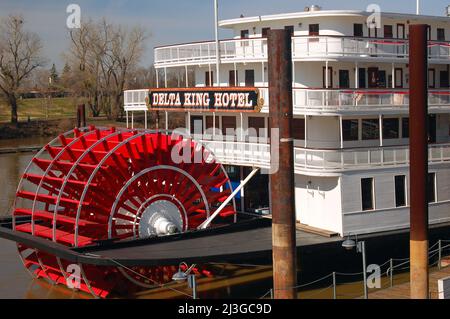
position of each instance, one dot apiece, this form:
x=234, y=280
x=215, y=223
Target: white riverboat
x=351, y=125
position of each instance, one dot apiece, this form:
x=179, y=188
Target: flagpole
x=216, y=18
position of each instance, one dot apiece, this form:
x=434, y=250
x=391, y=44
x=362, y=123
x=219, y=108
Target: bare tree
x=106, y=55
x=20, y=55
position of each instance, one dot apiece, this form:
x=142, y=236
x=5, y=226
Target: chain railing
x=394, y=265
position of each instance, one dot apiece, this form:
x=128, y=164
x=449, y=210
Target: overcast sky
x=174, y=21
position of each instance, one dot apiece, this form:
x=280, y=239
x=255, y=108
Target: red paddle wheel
x=96, y=184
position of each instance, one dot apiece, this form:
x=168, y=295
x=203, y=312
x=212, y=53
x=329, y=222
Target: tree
x=104, y=55
x=20, y=56
x=54, y=75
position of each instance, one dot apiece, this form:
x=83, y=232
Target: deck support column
x=419, y=161
x=282, y=181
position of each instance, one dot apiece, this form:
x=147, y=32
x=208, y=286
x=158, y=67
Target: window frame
x=389, y=119
x=373, y=208
x=377, y=122
x=350, y=130
x=314, y=33
x=405, y=190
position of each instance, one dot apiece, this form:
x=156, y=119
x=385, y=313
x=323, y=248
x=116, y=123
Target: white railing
x=325, y=100
x=258, y=154
x=205, y=52
x=135, y=100
x=303, y=47
x=356, y=99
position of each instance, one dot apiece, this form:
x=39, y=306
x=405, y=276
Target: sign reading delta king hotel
x=213, y=99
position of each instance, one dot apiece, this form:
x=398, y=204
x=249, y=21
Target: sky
x=174, y=21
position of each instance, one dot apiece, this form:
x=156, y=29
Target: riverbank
x=48, y=128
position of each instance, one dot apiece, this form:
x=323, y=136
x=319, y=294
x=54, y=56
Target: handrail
x=303, y=47
x=323, y=160
x=294, y=37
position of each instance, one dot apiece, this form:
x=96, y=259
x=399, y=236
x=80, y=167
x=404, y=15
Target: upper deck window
x=245, y=34
x=350, y=130
x=358, y=30
x=233, y=78
x=290, y=28
x=314, y=30
x=257, y=127
x=388, y=31
x=209, y=78
x=440, y=34
x=265, y=31
x=249, y=78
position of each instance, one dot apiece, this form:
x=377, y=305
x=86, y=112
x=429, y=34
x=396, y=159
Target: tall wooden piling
x=418, y=109
x=282, y=181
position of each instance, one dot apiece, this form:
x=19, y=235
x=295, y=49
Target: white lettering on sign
x=207, y=99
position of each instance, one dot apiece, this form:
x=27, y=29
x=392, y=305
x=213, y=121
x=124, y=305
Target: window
x=432, y=128
x=370, y=129
x=398, y=78
x=362, y=78
x=405, y=127
x=314, y=30
x=382, y=79
x=265, y=32
x=400, y=191
x=256, y=125
x=373, y=77
x=400, y=31
x=358, y=30
x=367, y=194
x=350, y=129
x=197, y=125
x=209, y=78
x=245, y=34
x=228, y=123
x=209, y=122
x=443, y=79
x=431, y=187
x=250, y=78
x=391, y=128
x=233, y=78
x=388, y=32
x=344, y=79
x=431, y=78
x=298, y=129
x=440, y=34
x=290, y=28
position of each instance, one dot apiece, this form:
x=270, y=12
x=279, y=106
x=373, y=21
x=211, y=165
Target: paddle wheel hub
x=95, y=184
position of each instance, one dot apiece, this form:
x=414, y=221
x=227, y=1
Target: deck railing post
x=334, y=286
x=440, y=254
x=391, y=272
